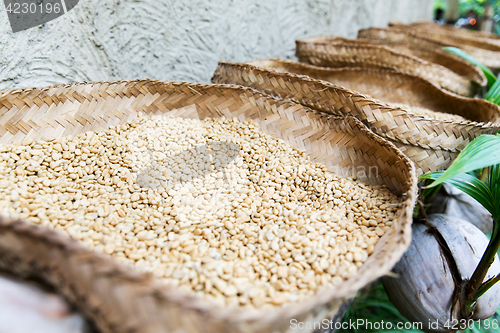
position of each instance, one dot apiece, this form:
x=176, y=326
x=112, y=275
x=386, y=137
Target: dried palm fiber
x=431, y=143
x=331, y=51
x=118, y=299
x=484, y=50
x=425, y=50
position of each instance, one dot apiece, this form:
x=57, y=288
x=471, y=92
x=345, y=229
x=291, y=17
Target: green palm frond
x=487, y=72
x=482, y=152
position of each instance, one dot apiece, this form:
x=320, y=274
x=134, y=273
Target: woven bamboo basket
x=426, y=50
x=431, y=143
x=118, y=299
x=330, y=51
x=451, y=29
x=484, y=50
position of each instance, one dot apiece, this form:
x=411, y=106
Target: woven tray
x=484, y=50
x=332, y=51
x=121, y=300
x=451, y=29
x=432, y=144
x=426, y=50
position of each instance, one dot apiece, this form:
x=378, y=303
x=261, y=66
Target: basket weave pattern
x=119, y=299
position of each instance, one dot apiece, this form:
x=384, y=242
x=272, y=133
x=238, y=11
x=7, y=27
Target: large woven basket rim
x=208, y=308
x=328, y=85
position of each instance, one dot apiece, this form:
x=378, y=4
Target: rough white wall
x=178, y=39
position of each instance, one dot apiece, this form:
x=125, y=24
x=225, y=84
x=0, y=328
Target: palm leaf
x=493, y=182
x=470, y=185
x=493, y=94
x=487, y=72
x=481, y=152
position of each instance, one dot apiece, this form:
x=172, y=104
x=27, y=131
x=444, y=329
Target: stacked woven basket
x=342, y=52
x=380, y=106
x=400, y=106
x=399, y=83
x=482, y=46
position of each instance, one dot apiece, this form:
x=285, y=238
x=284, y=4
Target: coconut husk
x=455, y=203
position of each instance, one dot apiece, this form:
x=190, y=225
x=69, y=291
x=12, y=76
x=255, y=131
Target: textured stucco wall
x=178, y=40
